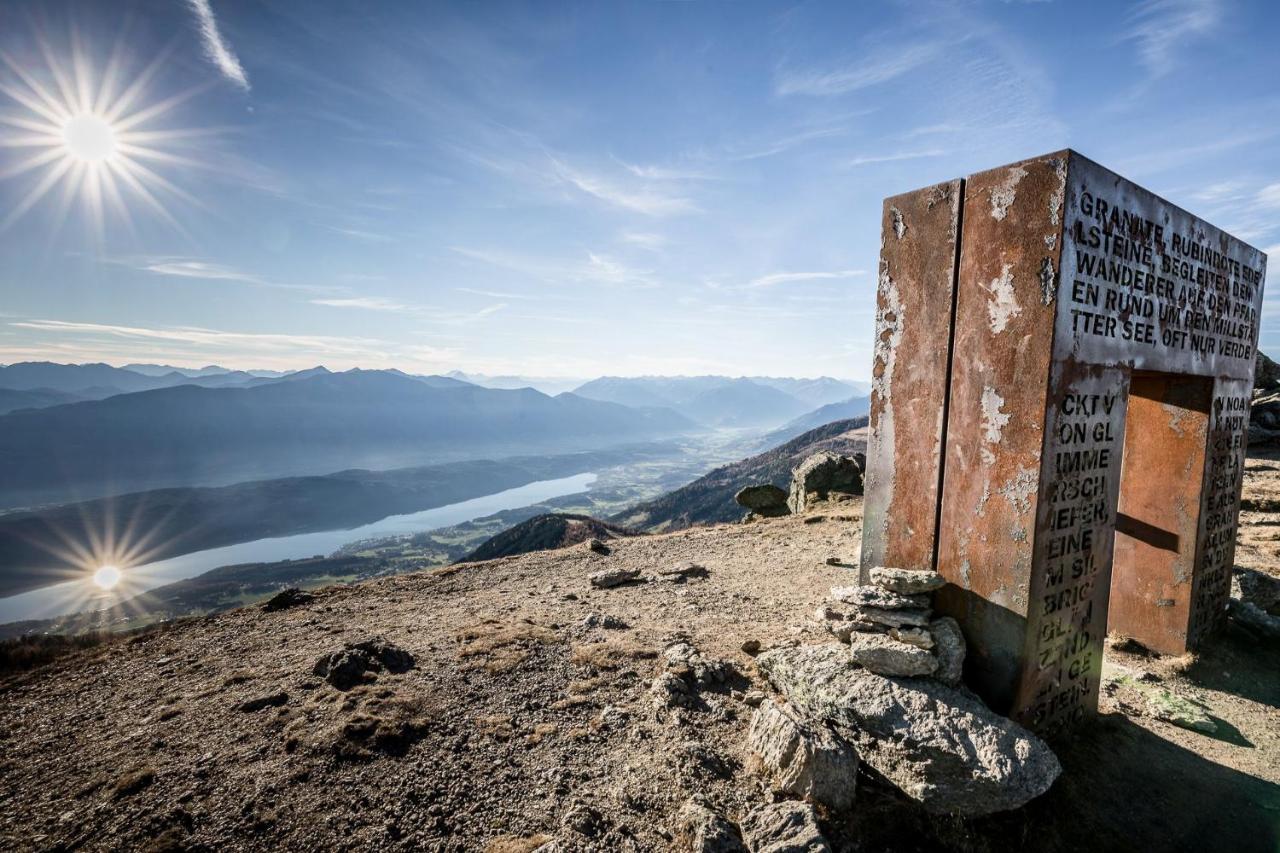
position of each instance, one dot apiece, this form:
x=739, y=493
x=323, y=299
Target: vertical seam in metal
x=946, y=396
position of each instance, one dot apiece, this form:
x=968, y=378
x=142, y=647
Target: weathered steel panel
x=1009, y=250
x=1071, y=281
x=1220, y=507
x=1165, y=436
x=1075, y=533
x=914, y=300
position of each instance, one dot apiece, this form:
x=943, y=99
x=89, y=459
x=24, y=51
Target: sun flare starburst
x=106, y=577
x=89, y=135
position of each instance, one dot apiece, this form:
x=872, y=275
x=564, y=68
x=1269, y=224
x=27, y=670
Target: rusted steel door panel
x=914, y=298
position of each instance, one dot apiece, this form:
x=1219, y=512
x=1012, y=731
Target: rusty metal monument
x=1063, y=370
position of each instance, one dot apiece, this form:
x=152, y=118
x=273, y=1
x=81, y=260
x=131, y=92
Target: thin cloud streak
x=786, y=277
x=881, y=67
x=649, y=201
x=216, y=49
x=893, y=158
x=1161, y=27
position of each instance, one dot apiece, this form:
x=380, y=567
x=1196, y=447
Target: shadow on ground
x=1122, y=788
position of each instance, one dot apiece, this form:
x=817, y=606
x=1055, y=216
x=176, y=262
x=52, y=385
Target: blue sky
x=581, y=189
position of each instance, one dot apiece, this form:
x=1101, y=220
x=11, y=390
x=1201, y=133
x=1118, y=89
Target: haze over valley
x=143, y=463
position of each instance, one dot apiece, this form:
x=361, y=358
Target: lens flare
x=89, y=138
x=90, y=133
x=106, y=577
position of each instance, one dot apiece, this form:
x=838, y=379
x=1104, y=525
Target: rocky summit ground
x=526, y=715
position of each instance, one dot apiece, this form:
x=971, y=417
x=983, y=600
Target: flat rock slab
x=884, y=655
x=803, y=759
x=941, y=746
x=869, y=595
x=906, y=581
x=891, y=618
x=786, y=827
x=613, y=577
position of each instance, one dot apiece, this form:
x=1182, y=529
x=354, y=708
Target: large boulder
x=1260, y=590
x=802, y=759
x=1266, y=375
x=821, y=475
x=786, y=827
x=767, y=500
x=940, y=745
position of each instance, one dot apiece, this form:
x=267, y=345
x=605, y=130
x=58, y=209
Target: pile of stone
x=890, y=628
x=893, y=700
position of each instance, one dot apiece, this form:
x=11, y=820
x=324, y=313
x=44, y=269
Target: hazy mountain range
x=719, y=401
x=192, y=435
x=76, y=432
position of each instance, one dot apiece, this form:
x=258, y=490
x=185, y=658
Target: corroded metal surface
x=995, y=428
x=1220, y=506
x=1166, y=432
x=909, y=377
x=1074, y=286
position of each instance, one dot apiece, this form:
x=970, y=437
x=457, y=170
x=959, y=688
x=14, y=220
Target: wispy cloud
x=1269, y=197
x=894, y=157
x=428, y=313
x=198, y=269
x=216, y=49
x=199, y=336
x=787, y=277
x=366, y=236
x=646, y=199
x=881, y=66
x=644, y=239
x=367, y=303
x=498, y=294
x=1161, y=28
x=597, y=268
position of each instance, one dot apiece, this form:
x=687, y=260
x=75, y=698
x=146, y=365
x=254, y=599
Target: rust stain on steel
x=995, y=428
x=1165, y=437
x=1073, y=286
x=909, y=389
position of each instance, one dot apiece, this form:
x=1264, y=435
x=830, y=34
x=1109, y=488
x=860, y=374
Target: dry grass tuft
x=496, y=726
x=501, y=646
x=540, y=732
x=611, y=654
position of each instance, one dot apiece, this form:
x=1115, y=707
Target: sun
x=106, y=577
x=89, y=138
x=77, y=132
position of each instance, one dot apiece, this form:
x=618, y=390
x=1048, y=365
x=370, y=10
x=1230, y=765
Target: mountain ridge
x=189, y=435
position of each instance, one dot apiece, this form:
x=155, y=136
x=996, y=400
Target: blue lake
x=75, y=596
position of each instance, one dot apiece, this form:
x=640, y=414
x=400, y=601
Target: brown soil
x=519, y=725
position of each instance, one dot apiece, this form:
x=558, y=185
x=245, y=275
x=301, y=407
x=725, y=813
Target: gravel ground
x=522, y=721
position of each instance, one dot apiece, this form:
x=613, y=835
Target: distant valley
x=187, y=435
x=169, y=461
